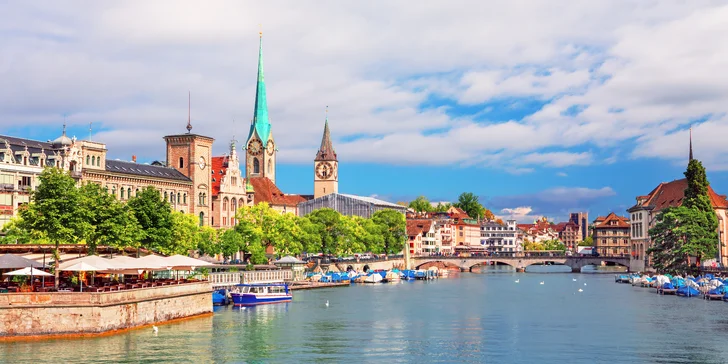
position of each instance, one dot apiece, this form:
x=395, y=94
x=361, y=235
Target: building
x=229, y=189
x=467, y=230
x=500, y=238
x=670, y=194
x=541, y=230
x=325, y=166
x=569, y=234
x=349, y=205
x=581, y=219
x=445, y=232
x=611, y=235
x=421, y=237
x=21, y=161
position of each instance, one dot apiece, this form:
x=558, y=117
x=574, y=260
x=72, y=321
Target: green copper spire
x=261, y=124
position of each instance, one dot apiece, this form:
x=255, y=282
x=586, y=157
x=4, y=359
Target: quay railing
x=221, y=279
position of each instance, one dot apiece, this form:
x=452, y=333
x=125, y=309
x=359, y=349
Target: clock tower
x=260, y=148
x=325, y=166
x=191, y=154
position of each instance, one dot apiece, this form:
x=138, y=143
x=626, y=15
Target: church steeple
x=691, y=144
x=261, y=123
x=326, y=151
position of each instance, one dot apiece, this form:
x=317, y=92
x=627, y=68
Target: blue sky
x=539, y=107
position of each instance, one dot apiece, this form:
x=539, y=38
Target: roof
x=218, y=168
x=560, y=227
x=326, y=151
x=671, y=194
x=145, y=170
x=19, y=145
x=267, y=191
x=607, y=223
x=372, y=200
x=418, y=226
x=261, y=123
x=457, y=213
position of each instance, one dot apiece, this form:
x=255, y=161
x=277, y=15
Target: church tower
x=260, y=149
x=191, y=154
x=325, y=166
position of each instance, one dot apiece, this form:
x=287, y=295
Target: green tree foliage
x=329, y=228
x=353, y=236
x=231, y=242
x=55, y=210
x=554, y=244
x=309, y=235
x=287, y=235
x=421, y=204
x=373, y=238
x=589, y=241
x=468, y=202
x=532, y=246
x=154, y=217
x=107, y=221
x=15, y=233
x=442, y=207
x=208, y=241
x=686, y=231
x=184, y=229
x=393, y=229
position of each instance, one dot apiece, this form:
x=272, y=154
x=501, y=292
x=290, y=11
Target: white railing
x=221, y=279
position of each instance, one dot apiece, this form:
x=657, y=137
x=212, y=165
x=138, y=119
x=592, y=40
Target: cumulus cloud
x=555, y=203
x=608, y=72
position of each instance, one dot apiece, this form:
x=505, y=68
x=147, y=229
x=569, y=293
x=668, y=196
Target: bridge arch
x=471, y=265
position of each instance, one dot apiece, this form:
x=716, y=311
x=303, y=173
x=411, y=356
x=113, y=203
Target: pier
x=229, y=279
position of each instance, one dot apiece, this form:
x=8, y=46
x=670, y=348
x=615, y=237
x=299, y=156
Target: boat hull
x=251, y=299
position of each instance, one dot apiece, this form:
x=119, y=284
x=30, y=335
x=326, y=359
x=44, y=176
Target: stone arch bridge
x=520, y=263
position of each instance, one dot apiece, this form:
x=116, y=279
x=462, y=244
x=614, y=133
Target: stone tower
x=191, y=154
x=260, y=149
x=325, y=166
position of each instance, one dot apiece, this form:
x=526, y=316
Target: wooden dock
x=314, y=285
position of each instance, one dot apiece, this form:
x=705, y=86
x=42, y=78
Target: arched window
x=233, y=206
x=113, y=191
x=172, y=199
x=181, y=162
x=202, y=218
x=166, y=196
x=122, y=193
x=256, y=165
x=93, y=160
x=241, y=203
x=129, y=192
x=200, y=200
x=178, y=197
x=225, y=204
x=204, y=199
x=88, y=159
x=184, y=199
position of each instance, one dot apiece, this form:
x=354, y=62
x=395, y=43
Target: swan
x=573, y=279
x=327, y=303
x=581, y=290
x=518, y=281
x=542, y=282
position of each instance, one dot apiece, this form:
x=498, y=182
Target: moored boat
x=260, y=294
x=220, y=297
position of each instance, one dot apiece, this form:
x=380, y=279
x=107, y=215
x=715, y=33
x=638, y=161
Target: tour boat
x=260, y=294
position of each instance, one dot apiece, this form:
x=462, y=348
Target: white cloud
x=635, y=71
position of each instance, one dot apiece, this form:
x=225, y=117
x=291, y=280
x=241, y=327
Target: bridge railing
x=220, y=279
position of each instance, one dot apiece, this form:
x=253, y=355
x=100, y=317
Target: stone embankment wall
x=74, y=313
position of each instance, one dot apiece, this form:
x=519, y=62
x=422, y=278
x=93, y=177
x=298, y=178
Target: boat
x=687, y=291
x=220, y=297
x=393, y=276
x=667, y=288
x=260, y=294
x=373, y=278
x=408, y=275
x=621, y=278
x=716, y=293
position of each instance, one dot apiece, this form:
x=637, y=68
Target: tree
x=329, y=228
x=393, y=228
x=554, y=244
x=704, y=239
x=373, y=237
x=353, y=236
x=153, y=214
x=532, y=246
x=286, y=235
x=15, y=233
x=468, y=202
x=258, y=224
x=421, y=204
x=55, y=210
x=231, y=242
x=309, y=235
x=442, y=207
x=208, y=241
x=107, y=221
x=589, y=241
x=185, y=229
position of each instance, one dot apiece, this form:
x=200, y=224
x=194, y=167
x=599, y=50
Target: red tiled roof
x=671, y=194
x=218, y=164
x=622, y=222
x=267, y=191
x=417, y=226
x=560, y=227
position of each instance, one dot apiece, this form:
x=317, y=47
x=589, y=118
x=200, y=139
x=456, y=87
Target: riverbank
x=56, y=314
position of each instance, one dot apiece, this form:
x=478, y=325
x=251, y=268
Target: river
x=473, y=318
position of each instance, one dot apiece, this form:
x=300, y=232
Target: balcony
x=76, y=174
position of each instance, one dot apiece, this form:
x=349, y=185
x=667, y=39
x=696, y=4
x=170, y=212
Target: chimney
x=133, y=158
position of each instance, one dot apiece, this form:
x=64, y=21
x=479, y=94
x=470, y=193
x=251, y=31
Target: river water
x=473, y=318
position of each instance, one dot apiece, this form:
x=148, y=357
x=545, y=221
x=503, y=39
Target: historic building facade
x=500, y=238
x=326, y=166
x=229, y=189
x=611, y=235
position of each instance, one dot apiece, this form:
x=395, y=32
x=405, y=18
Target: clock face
x=324, y=170
x=270, y=147
x=255, y=147
x=202, y=163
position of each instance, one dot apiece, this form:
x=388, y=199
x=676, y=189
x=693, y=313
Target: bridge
x=518, y=262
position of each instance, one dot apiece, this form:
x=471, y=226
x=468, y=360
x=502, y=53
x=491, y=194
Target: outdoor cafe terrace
x=92, y=273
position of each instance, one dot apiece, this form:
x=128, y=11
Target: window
x=202, y=218
x=181, y=162
x=256, y=165
x=129, y=192
x=224, y=204
x=113, y=191
x=212, y=220
x=178, y=197
x=166, y=196
x=93, y=160
x=88, y=160
x=122, y=193
x=201, y=201
x=184, y=199
x=224, y=221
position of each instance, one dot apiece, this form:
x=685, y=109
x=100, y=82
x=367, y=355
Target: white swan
x=518, y=281
x=581, y=290
x=573, y=279
x=542, y=282
x=327, y=303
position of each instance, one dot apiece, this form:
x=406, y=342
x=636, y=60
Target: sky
x=540, y=108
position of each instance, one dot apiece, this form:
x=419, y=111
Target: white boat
x=374, y=278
